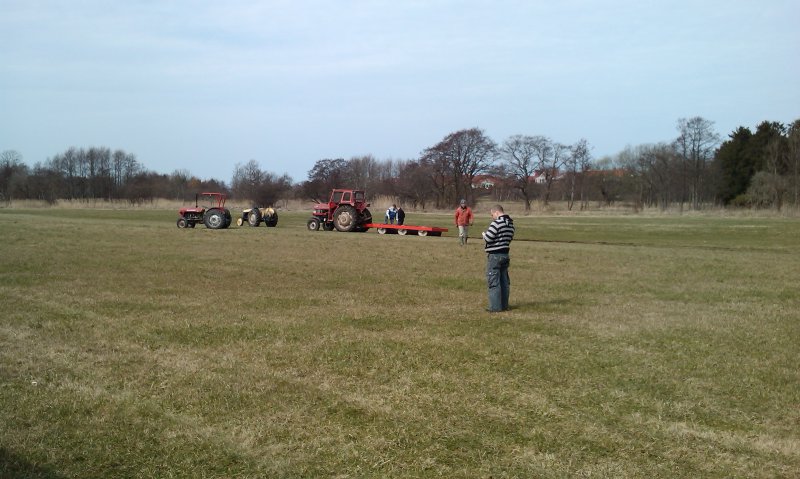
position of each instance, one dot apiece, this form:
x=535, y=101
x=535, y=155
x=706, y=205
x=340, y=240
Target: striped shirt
x=499, y=235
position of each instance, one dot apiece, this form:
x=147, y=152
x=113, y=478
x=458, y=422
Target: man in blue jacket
x=498, y=238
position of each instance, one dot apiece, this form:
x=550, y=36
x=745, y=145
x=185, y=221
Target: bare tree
x=415, y=183
x=519, y=155
x=578, y=162
x=552, y=165
x=696, y=144
x=247, y=179
x=463, y=155
x=12, y=171
x=793, y=146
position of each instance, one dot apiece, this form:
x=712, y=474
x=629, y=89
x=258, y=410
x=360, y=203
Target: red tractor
x=345, y=211
x=215, y=216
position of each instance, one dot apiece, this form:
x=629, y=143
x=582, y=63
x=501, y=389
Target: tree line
x=694, y=170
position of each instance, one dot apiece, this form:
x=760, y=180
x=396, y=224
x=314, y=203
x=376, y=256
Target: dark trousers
x=498, y=281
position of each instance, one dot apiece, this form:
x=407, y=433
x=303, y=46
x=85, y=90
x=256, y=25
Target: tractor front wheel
x=313, y=224
x=182, y=223
x=345, y=218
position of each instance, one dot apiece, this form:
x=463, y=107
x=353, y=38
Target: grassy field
x=636, y=347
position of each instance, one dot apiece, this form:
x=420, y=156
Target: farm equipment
x=346, y=210
x=215, y=216
x=255, y=216
x=402, y=230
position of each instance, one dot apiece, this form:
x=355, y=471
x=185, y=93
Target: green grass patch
x=635, y=347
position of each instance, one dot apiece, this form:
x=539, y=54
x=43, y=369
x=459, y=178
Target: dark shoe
x=494, y=310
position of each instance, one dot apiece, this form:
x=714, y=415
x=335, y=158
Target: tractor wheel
x=328, y=226
x=345, y=218
x=366, y=217
x=271, y=218
x=422, y=233
x=239, y=222
x=402, y=232
x=214, y=219
x=254, y=218
x=228, y=218
x=191, y=224
x=381, y=231
x=313, y=224
x=182, y=223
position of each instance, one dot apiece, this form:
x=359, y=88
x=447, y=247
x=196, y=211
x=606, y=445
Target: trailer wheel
x=402, y=232
x=422, y=233
x=381, y=231
x=313, y=224
x=182, y=223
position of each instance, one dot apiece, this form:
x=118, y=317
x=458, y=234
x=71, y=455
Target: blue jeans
x=498, y=281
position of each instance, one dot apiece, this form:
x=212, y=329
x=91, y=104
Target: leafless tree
x=552, y=167
x=578, y=162
x=696, y=144
x=793, y=159
x=12, y=173
x=415, y=184
x=519, y=156
x=464, y=155
x=247, y=179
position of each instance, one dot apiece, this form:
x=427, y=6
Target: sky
x=203, y=86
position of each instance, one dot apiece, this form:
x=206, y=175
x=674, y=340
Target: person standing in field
x=498, y=238
x=391, y=214
x=464, y=219
x=401, y=216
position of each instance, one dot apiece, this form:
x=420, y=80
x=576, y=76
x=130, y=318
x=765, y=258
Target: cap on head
x=463, y=202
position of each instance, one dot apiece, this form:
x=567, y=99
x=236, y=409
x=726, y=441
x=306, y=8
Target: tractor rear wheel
x=313, y=224
x=228, y=218
x=328, y=226
x=254, y=218
x=366, y=217
x=345, y=218
x=214, y=219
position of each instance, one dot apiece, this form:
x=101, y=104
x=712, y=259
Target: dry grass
x=636, y=347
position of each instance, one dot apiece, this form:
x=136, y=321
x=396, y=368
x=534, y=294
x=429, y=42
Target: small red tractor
x=215, y=216
x=345, y=211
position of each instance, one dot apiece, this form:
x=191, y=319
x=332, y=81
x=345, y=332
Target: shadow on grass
x=14, y=466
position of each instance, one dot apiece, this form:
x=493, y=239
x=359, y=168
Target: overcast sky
x=204, y=85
